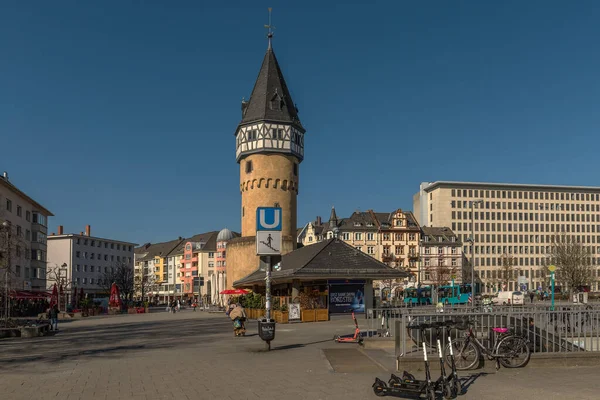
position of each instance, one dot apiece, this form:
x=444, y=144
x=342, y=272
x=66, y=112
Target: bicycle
x=505, y=348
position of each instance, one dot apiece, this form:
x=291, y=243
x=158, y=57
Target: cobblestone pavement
x=193, y=355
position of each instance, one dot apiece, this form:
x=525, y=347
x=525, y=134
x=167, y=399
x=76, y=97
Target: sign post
x=552, y=268
x=268, y=243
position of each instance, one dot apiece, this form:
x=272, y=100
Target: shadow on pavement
x=467, y=382
x=298, y=345
x=110, y=340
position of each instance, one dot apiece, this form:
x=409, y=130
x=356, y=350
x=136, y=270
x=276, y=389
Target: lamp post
x=552, y=268
x=472, y=240
x=7, y=227
x=61, y=271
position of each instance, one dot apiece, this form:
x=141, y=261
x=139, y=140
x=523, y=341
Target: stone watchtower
x=269, y=148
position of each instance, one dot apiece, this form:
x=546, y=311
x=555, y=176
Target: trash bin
x=266, y=329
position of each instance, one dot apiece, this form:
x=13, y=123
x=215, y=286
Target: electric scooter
x=408, y=387
x=357, y=338
x=444, y=384
x=455, y=382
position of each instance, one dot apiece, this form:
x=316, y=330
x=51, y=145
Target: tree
x=64, y=286
x=144, y=284
x=507, y=267
x=440, y=275
x=572, y=260
x=121, y=274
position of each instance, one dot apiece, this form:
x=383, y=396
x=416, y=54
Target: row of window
x=514, y=227
x=441, y=262
x=37, y=217
x=370, y=236
x=531, y=195
x=92, y=268
x=547, y=217
x=92, y=256
x=520, y=261
x=520, y=249
x=93, y=243
x=30, y=273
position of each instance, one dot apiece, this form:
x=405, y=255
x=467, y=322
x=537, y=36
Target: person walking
x=238, y=316
x=531, y=296
x=53, y=314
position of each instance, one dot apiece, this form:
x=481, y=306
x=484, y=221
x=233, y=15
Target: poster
x=294, y=312
x=347, y=298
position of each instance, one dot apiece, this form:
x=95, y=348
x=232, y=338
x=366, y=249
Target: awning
x=29, y=295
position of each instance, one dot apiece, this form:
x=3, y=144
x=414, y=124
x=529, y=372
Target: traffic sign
x=268, y=219
x=268, y=231
x=552, y=268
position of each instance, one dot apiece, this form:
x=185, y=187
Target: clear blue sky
x=121, y=114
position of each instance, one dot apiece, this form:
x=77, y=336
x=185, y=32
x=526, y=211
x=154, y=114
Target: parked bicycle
x=506, y=348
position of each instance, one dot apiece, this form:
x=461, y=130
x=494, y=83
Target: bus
x=454, y=294
x=418, y=296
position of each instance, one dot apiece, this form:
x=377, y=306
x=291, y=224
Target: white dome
x=225, y=235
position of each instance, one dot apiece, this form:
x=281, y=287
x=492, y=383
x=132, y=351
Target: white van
x=509, y=299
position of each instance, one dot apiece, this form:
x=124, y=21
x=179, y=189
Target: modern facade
x=440, y=257
x=23, y=238
x=269, y=149
x=79, y=261
x=495, y=221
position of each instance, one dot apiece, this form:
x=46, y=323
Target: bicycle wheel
x=466, y=354
x=518, y=350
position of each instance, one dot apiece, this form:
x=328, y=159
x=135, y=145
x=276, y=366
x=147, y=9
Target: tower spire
x=270, y=29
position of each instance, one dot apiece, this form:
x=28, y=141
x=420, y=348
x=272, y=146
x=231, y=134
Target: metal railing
x=567, y=328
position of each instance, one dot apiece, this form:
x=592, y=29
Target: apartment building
x=23, y=244
x=512, y=220
x=156, y=270
x=198, y=261
x=441, y=259
x=392, y=237
x=80, y=261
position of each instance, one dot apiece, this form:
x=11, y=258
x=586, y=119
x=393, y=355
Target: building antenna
x=270, y=28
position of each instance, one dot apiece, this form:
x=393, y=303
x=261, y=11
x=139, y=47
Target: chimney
x=88, y=230
x=318, y=221
x=60, y=229
x=5, y=175
x=80, y=233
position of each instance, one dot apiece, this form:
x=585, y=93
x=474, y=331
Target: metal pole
x=8, y=266
x=472, y=254
x=552, y=281
x=268, y=289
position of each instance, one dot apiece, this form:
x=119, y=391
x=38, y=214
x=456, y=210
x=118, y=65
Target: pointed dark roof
x=270, y=99
x=333, y=215
x=329, y=259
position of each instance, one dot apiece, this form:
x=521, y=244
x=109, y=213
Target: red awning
x=29, y=295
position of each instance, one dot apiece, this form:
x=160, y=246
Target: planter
x=281, y=317
x=309, y=315
x=322, y=314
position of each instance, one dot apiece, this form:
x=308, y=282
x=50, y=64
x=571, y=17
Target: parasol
x=54, y=297
x=115, y=297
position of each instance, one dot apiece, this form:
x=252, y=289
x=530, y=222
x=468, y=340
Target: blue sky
x=121, y=114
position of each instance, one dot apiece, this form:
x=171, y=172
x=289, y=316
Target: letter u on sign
x=268, y=219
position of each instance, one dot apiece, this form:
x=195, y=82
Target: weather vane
x=270, y=28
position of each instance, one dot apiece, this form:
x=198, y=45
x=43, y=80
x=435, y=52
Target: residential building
x=198, y=261
x=218, y=281
x=23, y=244
x=440, y=257
x=269, y=150
x=79, y=261
x=392, y=237
x=155, y=271
x=495, y=221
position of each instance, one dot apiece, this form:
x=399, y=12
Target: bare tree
x=507, y=268
x=145, y=284
x=63, y=284
x=121, y=274
x=441, y=274
x=572, y=260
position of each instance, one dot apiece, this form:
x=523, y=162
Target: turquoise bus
x=454, y=294
x=418, y=296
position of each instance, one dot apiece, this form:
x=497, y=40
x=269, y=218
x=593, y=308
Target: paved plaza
x=194, y=355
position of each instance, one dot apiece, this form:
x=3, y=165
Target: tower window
x=248, y=167
x=295, y=169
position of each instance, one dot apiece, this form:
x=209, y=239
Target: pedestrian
x=194, y=305
x=238, y=316
x=53, y=314
x=531, y=296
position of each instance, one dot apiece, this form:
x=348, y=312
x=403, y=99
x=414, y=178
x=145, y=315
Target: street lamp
x=472, y=240
x=552, y=269
x=61, y=271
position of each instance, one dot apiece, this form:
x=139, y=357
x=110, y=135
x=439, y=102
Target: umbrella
x=234, y=291
x=54, y=297
x=115, y=297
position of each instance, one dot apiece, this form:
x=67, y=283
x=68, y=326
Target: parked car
x=509, y=298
